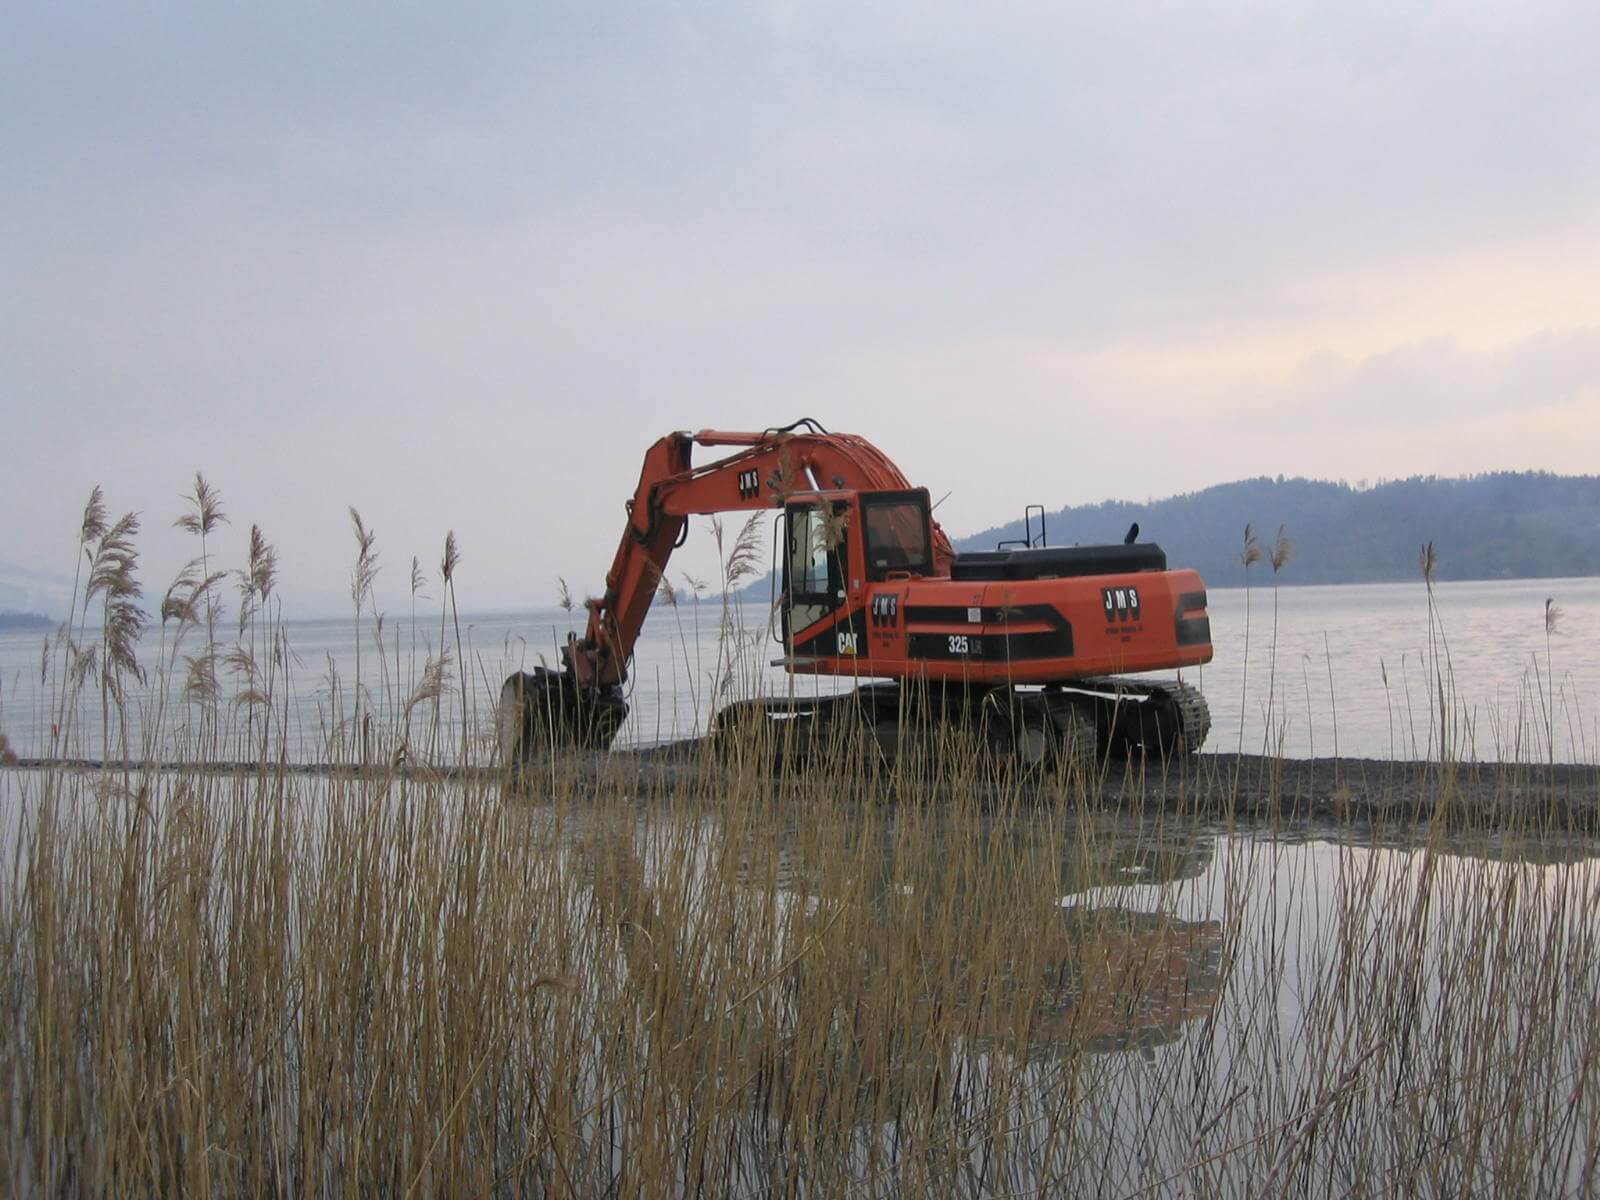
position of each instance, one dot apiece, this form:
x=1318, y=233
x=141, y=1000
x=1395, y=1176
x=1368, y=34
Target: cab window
x=896, y=534
x=816, y=549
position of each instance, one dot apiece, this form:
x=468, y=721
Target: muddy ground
x=1530, y=798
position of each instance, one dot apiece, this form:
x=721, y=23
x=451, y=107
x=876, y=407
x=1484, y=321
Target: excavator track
x=1059, y=725
x=1156, y=716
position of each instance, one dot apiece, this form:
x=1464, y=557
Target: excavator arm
x=764, y=470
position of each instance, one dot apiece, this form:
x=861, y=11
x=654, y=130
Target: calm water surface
x=1346, y=668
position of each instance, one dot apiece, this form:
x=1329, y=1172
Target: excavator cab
x=832, y=545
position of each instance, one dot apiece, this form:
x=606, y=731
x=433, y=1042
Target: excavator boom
x=768, y=468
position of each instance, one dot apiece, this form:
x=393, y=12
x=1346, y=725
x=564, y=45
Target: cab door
x=815, y=560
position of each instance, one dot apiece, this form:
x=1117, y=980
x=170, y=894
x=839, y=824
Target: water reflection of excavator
x=1033, y=636
x=1122, y=969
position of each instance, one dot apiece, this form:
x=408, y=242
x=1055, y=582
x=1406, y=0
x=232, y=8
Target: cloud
x=461, y=268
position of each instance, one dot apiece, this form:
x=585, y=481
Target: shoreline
x=1528, y=797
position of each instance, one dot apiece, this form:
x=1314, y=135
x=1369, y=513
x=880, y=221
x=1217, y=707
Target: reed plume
x=241, y=662
x=743, y=560
x=697, y=588
x=205, y=514
x=418, y=582
x=261, y=569
x=113, y=576
x=179, y=602
x=200, y=679
x=256, y=577
x=1251, y=554
x=831, y=530
x=1428, y=561
x=740, y=563
x=433, y=683
x=1282, y=550
x=205, y=509
x=256, y=582
x=1552, y=622
x=447, y=575
x=85, y=662
x=93, y=525
x=783, y=480
x=452, y=557
x=1248, y=557
x=362, y=575
x=664, y=590
x=365, y=571
x=668, y=595
x=187, y=601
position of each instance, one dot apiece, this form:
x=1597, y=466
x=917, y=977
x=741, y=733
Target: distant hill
x=1523, y=525
x=12, y=621
x=23, y=589
x=1506, y=525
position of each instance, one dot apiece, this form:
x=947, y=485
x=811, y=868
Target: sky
x=457, y=266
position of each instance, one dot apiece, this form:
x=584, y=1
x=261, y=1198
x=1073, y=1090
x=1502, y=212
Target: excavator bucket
x=546, y=711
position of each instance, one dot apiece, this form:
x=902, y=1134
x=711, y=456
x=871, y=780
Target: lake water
x=1333, y=668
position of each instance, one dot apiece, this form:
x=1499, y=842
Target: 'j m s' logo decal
x=749, y=484
x=1121, y=603
x=886, y=610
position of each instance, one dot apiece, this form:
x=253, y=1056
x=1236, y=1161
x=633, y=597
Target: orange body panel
x=999, y=632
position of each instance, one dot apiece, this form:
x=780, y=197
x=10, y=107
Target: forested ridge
x=1505, y=525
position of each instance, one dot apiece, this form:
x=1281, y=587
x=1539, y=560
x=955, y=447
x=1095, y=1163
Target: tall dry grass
x=746, y=981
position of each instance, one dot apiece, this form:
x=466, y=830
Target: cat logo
x=847, y=642
x=749, y=484
x=886, y=610
x=1121, y=603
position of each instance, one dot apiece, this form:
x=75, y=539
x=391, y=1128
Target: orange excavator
x=1039, y=638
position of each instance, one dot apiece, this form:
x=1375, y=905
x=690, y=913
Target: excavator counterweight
x=873, y=589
